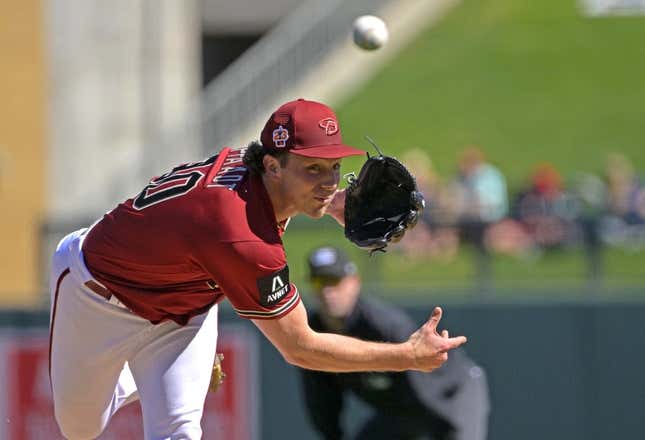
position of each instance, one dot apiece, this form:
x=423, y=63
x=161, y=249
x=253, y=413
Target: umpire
x=450, y=403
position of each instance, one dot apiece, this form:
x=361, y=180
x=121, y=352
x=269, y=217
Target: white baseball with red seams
x=370, y=32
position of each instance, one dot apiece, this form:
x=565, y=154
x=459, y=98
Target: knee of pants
x=74, y=425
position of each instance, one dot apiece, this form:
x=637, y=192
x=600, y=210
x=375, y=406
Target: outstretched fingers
x=452, y=343
x=433, y=322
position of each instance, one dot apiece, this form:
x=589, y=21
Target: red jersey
x=198, y=233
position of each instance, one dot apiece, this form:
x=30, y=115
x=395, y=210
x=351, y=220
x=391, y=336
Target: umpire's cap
x=306, y=128
x=330, y=262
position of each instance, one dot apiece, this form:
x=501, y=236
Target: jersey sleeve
x=254, y=276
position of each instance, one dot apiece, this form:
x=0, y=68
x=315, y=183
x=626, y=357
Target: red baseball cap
x=306, y=128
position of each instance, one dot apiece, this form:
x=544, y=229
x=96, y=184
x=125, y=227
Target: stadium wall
x=563, y=371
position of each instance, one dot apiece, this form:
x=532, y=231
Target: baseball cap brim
x=328, y=151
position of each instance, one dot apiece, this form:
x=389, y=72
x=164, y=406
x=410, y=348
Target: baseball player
x=451, y=403
x=134, y=296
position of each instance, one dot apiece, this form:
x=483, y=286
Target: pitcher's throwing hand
x=431, y=348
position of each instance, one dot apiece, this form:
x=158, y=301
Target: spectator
x=484, y=197
x=481, y=195
x=451, y=403
x=624, y=221
x=547, y=210
x=625, y=197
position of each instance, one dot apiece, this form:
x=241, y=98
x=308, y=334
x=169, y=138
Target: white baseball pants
x=103, y=356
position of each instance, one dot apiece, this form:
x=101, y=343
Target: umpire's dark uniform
x=450, y=403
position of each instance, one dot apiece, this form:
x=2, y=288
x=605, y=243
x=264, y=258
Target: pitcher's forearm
x=425, y=349
x=337, y=353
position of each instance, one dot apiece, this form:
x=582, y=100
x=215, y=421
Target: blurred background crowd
x=550, y=212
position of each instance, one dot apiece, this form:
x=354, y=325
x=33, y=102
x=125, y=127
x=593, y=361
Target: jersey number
x=175, y=183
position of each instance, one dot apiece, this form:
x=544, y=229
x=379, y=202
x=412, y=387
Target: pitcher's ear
x=271, y=165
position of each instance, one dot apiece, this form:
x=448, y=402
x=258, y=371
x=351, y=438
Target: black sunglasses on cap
x=318, y=282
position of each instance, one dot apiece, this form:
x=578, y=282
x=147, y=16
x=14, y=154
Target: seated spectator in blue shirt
x=481, y=196
x=485, y=194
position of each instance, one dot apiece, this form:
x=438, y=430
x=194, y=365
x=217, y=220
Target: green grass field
x=557, y=275
x=528, y=82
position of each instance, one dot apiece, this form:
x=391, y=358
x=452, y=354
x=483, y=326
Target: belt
x=105, y=293
x=98, y=289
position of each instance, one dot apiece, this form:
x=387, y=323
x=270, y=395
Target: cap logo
x=329, y=125
x=280, y=136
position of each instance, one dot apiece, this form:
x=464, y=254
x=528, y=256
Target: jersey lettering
x=232, y=171
x=175, y=183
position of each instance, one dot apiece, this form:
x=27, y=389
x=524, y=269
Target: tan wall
x=22, y=138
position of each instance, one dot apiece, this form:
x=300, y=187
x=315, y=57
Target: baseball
x=370, y=32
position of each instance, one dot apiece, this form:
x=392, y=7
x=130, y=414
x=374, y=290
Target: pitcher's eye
x=313, y=168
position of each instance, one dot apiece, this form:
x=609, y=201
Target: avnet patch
x=274, y=287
